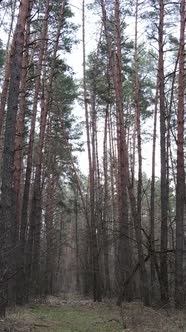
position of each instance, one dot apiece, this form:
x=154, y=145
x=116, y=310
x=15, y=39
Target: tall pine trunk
x=163, y=156
x=96, y=287
x=26, y=193
x=180, y=187
x=18, y=173
x=152, y=195
x=123, y=166
x=138, y=223
x=107, y=284
x=8, y=201
x=35, y=213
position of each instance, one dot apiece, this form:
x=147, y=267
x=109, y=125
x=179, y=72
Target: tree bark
x=137, y=223
x=107, y=286
x=8, y=212
x=152, y=195
x=50, y=257
x=35, y=214
x=26, y=192
x=96, y=287
x=180, y=187
x=115, y=59
x=163, y=156
x=18, y=168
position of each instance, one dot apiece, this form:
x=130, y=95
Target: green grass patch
x=72, y=319
x=86, y=316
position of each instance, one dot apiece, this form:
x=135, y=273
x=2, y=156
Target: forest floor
x=57, y=315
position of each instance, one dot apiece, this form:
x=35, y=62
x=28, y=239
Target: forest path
x=57, y=315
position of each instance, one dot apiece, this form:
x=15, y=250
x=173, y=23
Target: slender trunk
x=93, y=237
x=152, y=196
x=60, y=252
x=111, y=162
x=114, y=205
x=180, y=187
x=138, y=115
x=49, y=213
x=133, y=162
x=50, y=257
x=107, y=286
x=95, y=192
x=169, y=151
x=164, y=184
x=77, y=243
x=143, y=272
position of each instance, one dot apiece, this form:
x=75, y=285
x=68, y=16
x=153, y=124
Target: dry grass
x=140, y=318
x=75, y=315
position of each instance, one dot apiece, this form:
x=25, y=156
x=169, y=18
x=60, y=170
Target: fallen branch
x=41, y=325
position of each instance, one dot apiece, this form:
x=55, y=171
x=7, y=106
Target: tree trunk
x=143, y=272
x=50, y=257
x=35, y=214
x=26, y=193
x=180, y=187
x=124, y=244
x=116, y=70
x=163, y=154
x=8, y=212
x=107, y=285
x=91, y=158
x=152, y=196
x=18, y=173
x=78, y=285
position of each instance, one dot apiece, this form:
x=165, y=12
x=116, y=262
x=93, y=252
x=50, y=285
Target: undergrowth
x=86, y=316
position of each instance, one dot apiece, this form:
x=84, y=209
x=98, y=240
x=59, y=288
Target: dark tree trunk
x=26, y=192
x=122, y=177
x=96, y=287
x=18, y=173
x=152, y=196
x=138, y=222
x=50, y=257
x=123, y=172
x=180, y=187
x=163, y=156
x=35, y=214
x=8, y=202
x=78, y=285
x=107, y=284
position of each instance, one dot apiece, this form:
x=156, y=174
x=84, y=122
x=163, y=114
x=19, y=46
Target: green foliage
x=99, y=77
x=65, y=129
x=150, y=17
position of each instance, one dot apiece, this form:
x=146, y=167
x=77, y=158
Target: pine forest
x=92, y=164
